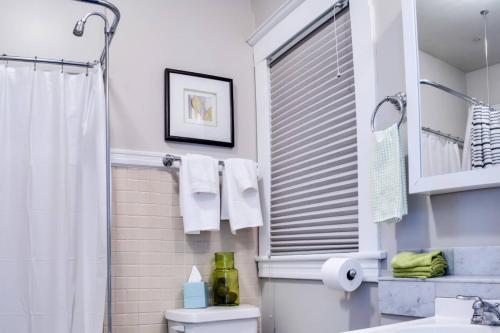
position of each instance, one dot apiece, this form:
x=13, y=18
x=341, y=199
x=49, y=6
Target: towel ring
x=398, y=101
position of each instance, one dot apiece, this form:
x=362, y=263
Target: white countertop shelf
x=489, y=279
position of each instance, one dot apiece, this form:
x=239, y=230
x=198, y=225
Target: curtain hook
x=34, y=66
x=87, y=72
x=62, y=66
x=6, y=60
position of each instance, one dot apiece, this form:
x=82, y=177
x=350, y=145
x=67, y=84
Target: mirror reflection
x=459, y=63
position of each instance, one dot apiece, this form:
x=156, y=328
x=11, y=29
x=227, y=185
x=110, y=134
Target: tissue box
x=195, y=295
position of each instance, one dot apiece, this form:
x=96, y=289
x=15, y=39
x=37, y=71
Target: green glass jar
x=225, y=287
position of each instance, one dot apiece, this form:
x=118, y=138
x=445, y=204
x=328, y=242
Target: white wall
x=459, y=219
x=302, y=306
x=263, y=9
x=158, y=35
x=206, y=36
x=45, y=29
x=476, y=84
x=442, y=111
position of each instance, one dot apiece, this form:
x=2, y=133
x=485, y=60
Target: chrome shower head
x=79, y=28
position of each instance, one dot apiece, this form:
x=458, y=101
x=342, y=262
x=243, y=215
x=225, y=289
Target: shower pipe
x=109, y=32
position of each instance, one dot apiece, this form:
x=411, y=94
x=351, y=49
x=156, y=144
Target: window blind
x=314, y=189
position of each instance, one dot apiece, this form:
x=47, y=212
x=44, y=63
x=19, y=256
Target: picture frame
x=199, y=108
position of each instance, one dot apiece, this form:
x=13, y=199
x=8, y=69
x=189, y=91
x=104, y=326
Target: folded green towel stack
x=419, y=265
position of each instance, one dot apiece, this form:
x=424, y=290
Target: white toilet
x=220, y=319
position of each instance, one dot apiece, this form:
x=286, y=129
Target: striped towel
x=485, y=143
x=495, y=136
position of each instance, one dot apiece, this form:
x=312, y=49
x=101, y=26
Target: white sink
x=437, y=328
x=452, y=316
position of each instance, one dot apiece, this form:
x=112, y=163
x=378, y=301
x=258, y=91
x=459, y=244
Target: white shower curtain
x=52, y=201
x=439, y=156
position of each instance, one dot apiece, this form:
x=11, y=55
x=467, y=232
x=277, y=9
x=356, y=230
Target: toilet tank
x=216, y=319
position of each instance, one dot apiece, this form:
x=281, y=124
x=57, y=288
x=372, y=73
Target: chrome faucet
x=484, y=313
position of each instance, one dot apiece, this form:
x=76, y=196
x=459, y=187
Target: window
x=314, y=202
x=314, y=138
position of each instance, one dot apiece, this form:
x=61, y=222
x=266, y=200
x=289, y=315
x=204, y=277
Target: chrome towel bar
x=169, y=160
x=398, y=101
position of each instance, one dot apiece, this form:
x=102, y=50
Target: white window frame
x=287, y=22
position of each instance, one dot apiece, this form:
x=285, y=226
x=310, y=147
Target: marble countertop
x=490, y=279
x=451, y=315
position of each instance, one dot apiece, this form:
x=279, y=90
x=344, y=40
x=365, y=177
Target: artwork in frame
x=198, y=108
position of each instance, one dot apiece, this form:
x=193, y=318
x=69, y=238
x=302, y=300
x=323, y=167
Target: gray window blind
x=314, y=190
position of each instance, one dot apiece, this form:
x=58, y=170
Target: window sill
x=308, y=267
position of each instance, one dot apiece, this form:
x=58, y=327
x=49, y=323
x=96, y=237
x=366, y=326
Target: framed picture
x=198, y=108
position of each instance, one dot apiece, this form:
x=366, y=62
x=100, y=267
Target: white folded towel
x=199, y=193
x=240, y=194
x=388, y=177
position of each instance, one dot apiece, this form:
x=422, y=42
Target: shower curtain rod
x=37, y=60
x=455, y=93
x=449, y=137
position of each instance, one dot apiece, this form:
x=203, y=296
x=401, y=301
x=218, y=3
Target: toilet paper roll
x=342, y=274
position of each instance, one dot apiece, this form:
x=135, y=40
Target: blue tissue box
x=195, y=295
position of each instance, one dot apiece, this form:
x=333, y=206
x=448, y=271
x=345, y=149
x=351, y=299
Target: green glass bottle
x=225, y=287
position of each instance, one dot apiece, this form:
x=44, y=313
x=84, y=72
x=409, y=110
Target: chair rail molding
x=136, y=158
